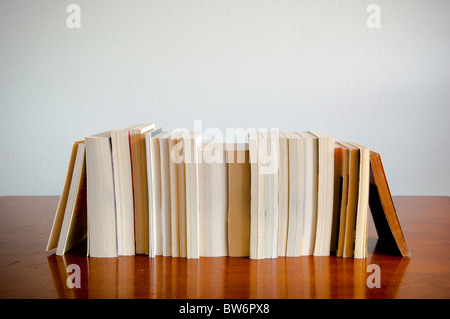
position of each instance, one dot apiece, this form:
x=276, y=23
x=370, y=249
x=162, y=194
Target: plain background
x=292, y=65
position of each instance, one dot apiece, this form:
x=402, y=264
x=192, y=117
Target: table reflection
x=224, y=277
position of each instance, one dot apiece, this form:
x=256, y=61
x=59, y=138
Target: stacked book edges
x=141, y=190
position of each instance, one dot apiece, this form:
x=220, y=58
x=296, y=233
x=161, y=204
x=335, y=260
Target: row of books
x=306, y=206
x=141, y=190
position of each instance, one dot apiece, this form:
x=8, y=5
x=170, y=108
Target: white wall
x=293, y=65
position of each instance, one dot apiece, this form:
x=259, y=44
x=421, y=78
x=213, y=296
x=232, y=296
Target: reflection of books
x=61, y=274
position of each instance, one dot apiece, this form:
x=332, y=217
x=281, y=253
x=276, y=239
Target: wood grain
x=27, y=271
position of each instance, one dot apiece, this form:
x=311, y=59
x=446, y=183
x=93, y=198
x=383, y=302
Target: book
x=182, y=199
x=154, y=192
x=296, y=194
x=383, y=210
x=177, y=194
x=238, y=206
x=140, y=185
x=166, y=226
x=272, y=150
x=70, y=223
x=342, y=175
x=62, y=203
x=254, y=191
x=101, y=206
x=192, y=142
x=352, y=178
x=310, y=189
x=261, y=213
x=212, y=180
x=352, y=199
x=283, y=195
x=363, y=203
x=175, y=143
x=264, y=147
x=337, y=191
x=123, y=190
x=324, y=193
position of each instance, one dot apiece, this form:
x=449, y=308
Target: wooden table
x=27, y=271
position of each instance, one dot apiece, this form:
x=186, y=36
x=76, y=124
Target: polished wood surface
x=28, y=271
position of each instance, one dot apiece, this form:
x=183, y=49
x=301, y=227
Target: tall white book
x=296, y=194
x=123, y=189
x=271, y=190
x=283, y=194
x=324, y=194
x=264, y=158
x=101, y=206
x=154, y=192
x=310, y=164
x=213, y=216
x=192, y=143
x=255, y=240
x=166, y=225
x=140, y=184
